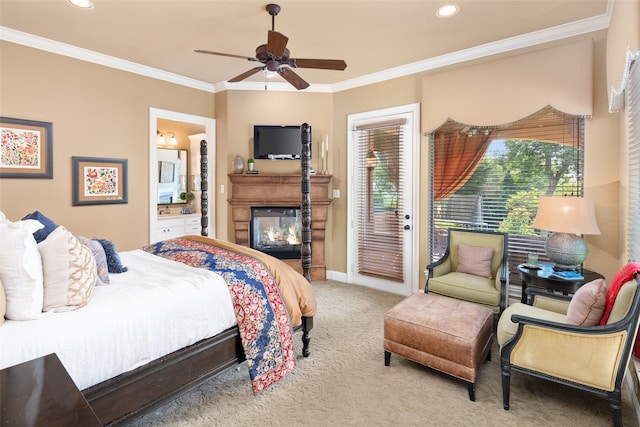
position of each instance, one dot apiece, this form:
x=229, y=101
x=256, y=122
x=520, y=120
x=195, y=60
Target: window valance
x=508, y=89
x=623, y=47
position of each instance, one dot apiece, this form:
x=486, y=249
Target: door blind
x=632, y=102
x=379, y=222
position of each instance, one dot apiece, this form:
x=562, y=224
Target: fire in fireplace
x=276, y=231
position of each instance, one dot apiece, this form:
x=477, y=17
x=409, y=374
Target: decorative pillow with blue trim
x=48, y=224
x=102, y=267
x=114, y=263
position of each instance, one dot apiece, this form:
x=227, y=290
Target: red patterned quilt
x=263, y=320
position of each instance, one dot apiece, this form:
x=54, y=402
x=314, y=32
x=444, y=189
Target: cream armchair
x=473, y=268
x=536, y=340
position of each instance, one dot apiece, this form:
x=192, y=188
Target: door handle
x=407, y=227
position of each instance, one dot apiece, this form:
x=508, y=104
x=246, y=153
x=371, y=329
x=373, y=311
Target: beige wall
x=96, y=112
x=102, y=112
x=603, y=180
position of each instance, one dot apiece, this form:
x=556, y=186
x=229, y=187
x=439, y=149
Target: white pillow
x=21, y=269
x=69, y=269
x=3, y=303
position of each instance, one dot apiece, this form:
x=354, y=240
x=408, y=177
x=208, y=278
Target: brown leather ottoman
x=446, y=334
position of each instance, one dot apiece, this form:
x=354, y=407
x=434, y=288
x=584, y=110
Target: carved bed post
x=305, y=208
x=204, y=186
x=305, y=170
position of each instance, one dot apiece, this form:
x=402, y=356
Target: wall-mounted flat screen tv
x=277, y=142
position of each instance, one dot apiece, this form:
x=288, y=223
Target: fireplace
x=265, y=191
x=276, y=231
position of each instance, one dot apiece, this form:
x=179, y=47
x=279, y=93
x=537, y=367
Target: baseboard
x=337, y=275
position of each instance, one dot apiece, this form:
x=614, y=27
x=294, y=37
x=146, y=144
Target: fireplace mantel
x=264, y=190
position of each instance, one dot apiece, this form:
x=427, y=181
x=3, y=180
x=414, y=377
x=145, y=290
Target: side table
x=40, y=392
x=540, y=278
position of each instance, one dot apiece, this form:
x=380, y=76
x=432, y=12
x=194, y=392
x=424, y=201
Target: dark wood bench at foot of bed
x=135, y=393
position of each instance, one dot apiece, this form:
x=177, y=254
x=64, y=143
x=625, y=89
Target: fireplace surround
x=249, y=191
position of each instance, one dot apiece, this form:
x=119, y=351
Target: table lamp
x=566, y=217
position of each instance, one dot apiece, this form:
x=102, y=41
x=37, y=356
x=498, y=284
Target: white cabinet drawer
x=192, y=229
x=170, y=222
x=192, y=221
x=177, y=226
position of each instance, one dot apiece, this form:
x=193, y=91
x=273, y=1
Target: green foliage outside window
x=514, y=174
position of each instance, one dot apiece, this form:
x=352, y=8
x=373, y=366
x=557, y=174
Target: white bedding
x=155, y=308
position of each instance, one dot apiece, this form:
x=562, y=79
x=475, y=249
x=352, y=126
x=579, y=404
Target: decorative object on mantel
x=566, y=217
x=250, y=163
x=238, y=164
x=324, y=156
x=27, y=149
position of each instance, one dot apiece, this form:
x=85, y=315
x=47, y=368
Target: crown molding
x=71, y=51
x=560, y=32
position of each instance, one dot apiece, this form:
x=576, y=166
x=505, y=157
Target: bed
x=145, y=339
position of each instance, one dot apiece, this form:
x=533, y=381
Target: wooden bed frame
x=137, y=392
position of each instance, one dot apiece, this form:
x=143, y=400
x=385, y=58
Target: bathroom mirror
x=172, y=176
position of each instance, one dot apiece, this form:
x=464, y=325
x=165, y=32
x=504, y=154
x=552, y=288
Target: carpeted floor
x=345, y=383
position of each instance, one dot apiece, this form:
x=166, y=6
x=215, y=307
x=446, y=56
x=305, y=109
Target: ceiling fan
x=275, y=57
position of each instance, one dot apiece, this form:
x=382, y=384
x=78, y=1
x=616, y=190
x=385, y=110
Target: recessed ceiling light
x=448, y=10
x=83, y=4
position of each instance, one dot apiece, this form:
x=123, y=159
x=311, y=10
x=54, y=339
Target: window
x=491, y=178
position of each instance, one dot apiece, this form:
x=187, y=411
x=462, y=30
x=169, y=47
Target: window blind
x=507, y=169
x=380, y=206
x=632, y=109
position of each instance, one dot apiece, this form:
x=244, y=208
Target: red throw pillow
x=621, y=277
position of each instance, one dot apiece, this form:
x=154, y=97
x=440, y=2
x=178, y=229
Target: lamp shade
x=566, y=214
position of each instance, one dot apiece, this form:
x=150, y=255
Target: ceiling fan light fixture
x=82, y=4
x=275, y=58
x=447, y=11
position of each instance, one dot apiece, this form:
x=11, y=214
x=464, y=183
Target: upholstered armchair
x=473, y=268
x=551, y=338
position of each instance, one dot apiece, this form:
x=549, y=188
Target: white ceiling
x=377, y=39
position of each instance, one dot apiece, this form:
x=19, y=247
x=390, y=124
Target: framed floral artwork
x=26, y=148
x=98, y=181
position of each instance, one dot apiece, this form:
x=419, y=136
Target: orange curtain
x=456, y=157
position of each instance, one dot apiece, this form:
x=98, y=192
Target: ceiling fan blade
x=276, y=43
x=325, y=64
x=246, y=74
x=231, y=55
x=293, y=78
